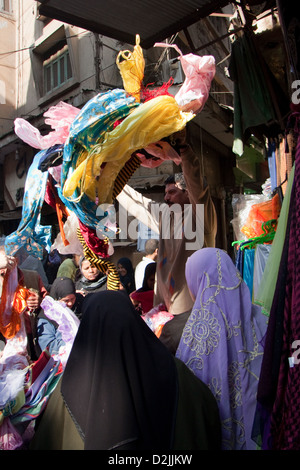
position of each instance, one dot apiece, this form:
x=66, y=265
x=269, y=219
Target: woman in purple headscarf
x=221, y=341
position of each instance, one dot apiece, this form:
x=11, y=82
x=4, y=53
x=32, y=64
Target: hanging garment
x=285, y=419
x=277, y=417
x=30, y=233
x=265, y=294
x=260, y=260
x=248, y=267
x=272, y=164
x=249, y=82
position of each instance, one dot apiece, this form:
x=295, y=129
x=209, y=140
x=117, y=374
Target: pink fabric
x=59, y=117
x=161, y=151
x=10, y=439
x=199, y=72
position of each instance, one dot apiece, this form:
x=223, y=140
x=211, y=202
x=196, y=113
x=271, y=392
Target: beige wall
x=8, y=66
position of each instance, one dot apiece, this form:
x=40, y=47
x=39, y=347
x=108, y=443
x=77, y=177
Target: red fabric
x=99, y=247
x=145, y=298
x=51, y=198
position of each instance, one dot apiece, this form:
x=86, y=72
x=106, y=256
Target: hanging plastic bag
x=59, y=117
x=70, y=229
x=260, y=213
x=156, y=318
x=131, y=66
x=199, y=73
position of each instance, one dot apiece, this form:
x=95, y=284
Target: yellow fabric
x=131, y=66
x=148, y=123
x=13, y=406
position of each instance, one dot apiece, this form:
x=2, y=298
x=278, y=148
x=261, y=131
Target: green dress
x=197, y=425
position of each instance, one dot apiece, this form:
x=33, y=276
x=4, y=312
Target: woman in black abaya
x=123, y=390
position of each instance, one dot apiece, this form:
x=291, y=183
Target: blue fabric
x=88, y=128
x=30, y=234
x=248, y=268
x=272, y=165
x=49, y=336
x=95, y=119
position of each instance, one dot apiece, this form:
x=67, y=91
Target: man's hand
x=179, y=138
x=34, y=300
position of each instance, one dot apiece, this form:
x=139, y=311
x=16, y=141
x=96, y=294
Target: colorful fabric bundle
x=88, y=129
x=38, y=382
x=37, y=392
x=148, y=123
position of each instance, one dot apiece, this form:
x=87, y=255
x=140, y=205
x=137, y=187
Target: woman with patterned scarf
x=92, y=279
x=222, y=342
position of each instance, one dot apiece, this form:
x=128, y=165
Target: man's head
x=175, y=190
x=151, y=248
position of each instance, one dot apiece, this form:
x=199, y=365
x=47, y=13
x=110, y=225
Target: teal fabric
x=96, y=118
x=30, y=234
x=249, y=255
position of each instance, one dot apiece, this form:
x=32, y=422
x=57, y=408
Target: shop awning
x=153, y=20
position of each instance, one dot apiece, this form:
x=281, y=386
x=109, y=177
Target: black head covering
x=150, y=269
x=120, y=382
x=128, y=280
x=61, y=287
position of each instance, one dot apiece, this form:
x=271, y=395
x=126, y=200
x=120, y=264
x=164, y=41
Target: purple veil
x=221, y=341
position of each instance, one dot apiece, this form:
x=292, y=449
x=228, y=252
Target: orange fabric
x=158, y=330
x=19, y=305
x=61, y=211
x=260, y=213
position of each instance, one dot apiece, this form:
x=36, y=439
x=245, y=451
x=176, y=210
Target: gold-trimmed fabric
x=125, y=174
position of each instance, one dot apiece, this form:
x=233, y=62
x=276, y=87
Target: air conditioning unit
x=172, y=68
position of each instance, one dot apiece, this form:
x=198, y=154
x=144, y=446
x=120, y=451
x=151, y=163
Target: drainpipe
x=97, y=60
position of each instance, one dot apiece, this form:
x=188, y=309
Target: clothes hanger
x=269, y=231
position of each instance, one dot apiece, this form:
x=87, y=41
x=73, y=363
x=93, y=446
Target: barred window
x=57, y=70
x=5, y=5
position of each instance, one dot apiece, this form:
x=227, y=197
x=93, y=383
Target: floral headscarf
x=221, y=341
